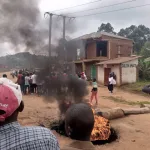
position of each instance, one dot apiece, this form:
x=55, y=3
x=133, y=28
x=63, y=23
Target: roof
x=91, y=60
x=99, y=34
x=118, y=60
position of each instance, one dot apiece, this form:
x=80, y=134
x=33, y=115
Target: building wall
x=88, y=70
x=91, y=50
x=100, y=74
x=129, y=71
x=125, y=49
x=114, y=68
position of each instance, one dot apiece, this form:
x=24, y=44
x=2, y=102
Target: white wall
x=129, y=71
x=115, y=69
x=100, y=74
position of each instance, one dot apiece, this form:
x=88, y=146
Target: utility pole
x=50, y=33
x=64, y=32
x=64, y=37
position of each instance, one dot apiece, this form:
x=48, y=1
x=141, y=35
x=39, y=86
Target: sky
x=83, y=24
x=118, y=19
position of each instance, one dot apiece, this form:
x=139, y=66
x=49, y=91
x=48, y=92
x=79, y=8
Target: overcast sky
x=119, y=19
x=84, y=25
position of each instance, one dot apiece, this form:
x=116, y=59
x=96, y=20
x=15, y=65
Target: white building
x=125, y=69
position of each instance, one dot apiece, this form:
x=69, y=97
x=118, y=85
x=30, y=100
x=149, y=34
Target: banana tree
x=144, y=69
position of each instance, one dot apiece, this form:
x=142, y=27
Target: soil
x=133, y=130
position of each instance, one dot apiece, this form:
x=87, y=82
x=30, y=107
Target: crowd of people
x=27, y=80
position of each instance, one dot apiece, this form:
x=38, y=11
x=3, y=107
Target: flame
x=101, y=130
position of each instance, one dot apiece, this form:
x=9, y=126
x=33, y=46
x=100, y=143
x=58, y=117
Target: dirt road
x=133, y=130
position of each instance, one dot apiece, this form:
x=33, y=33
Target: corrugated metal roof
x=99, y=34
x=118, y=60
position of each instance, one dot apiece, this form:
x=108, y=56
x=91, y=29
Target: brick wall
x=91, y=50
x=125, y=49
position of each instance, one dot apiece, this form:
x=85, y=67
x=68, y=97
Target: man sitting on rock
x=12, y=135
x=79, y=123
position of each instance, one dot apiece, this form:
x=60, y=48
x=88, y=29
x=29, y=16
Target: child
x=94, y=91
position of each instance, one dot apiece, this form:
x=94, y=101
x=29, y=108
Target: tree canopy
x=106, y=28
x=139, y=34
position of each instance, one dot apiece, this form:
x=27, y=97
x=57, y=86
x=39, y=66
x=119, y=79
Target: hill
x=22, y=60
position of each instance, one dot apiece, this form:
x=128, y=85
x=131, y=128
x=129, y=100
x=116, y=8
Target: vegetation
x=123, y=101
x=136, y=87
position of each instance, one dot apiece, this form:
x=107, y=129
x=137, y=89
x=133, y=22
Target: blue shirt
x=15, y=137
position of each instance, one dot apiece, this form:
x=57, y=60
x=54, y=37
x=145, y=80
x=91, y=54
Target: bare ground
x=134, y=131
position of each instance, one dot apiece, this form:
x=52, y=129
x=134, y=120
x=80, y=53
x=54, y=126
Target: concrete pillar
x=83, y=67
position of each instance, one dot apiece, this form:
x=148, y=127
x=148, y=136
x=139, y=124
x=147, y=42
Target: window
x=101, y=48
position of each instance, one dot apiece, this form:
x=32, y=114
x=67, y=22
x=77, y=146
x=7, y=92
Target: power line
x=103, y=7
x=77, y=5
x=114, y=10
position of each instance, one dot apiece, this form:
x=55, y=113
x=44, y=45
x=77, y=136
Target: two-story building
x=100, y=47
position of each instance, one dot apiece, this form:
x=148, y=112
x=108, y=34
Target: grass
x=136, y=87
x=123, y=101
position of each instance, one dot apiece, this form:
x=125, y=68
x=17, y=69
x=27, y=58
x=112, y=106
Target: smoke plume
x=24, y=28
x=20, y=24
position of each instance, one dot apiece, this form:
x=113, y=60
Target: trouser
x=34, y=88
x=25, y=89
x=111, y=87
x=22, y=87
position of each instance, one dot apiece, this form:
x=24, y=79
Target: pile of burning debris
x=102, y=132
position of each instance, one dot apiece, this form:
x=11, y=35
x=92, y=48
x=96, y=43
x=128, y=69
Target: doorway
x=107, y=71
x=93, y=71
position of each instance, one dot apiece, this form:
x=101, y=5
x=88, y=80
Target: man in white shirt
x=34, y=83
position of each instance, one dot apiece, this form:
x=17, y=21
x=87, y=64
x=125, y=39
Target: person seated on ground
x=79, y=123
x=12, y=134
x=4, y=75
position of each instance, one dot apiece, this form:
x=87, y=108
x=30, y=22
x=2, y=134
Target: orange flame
x=101, y=130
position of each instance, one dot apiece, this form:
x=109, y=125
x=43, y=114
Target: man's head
x=10, y=101
x=4, y=75
x=79, y=122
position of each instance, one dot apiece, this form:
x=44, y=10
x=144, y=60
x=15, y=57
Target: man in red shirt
x=20, y=81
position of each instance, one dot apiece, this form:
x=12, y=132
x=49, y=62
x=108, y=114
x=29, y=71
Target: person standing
x=111, y=83
x=20, y=81
x=94, y=91
x=79, y=123
x=34, y=83
x=27, y=85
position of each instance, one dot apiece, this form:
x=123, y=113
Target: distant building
x=98, y=47
x=125, y=69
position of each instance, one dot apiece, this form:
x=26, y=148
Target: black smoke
x=61, y=82
x=24, y=28
x=20, y=25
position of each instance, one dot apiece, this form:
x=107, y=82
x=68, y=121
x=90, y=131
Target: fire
x=101, y=130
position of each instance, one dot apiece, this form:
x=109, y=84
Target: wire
x=114, y=10
x=77, y=5
x=104, y=6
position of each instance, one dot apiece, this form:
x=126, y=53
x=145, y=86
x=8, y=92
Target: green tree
x=144, y=70
x=106, y=28
x=139, y=34
x=145, y=51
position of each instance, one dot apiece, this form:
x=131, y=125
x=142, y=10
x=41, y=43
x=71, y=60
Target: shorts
x=94, y=89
